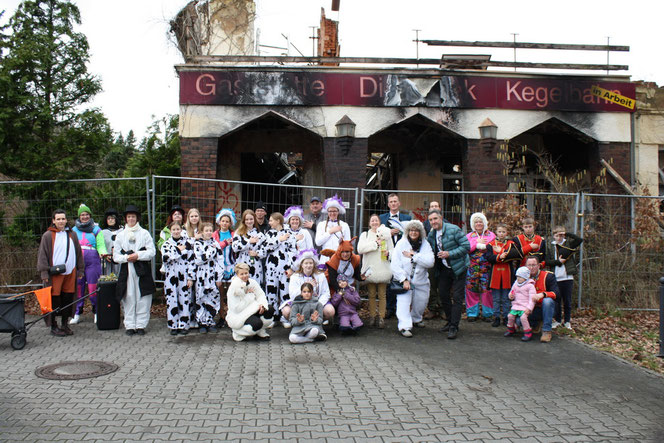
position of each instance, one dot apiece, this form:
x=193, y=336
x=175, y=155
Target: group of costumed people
x=75, y=258
x=301, y=270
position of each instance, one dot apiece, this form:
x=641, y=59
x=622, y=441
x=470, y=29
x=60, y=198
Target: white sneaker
x=262, y=333
x=95, y=318
x=75, y=320
x=326, y=322
x=406, y=333
x=554, y=324
x=568, y=326
x=286, y=324
x=238, y=337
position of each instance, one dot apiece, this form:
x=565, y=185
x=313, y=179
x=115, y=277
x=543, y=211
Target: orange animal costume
x=336, y=266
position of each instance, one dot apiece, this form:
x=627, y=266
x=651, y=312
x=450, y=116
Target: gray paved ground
x=379, y=386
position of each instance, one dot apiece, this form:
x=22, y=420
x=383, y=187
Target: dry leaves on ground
x=633, y=336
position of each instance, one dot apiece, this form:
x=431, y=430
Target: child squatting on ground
x=306, y=317
x=249, y=314
x=346, y=301
x=522, y=296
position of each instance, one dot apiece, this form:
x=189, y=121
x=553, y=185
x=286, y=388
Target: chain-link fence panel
x=622, y=258
x=26, y=209
x=548, y=210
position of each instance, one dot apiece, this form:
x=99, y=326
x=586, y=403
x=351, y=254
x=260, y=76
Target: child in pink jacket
x=523, y=302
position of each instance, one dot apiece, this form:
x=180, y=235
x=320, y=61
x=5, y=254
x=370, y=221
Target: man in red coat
x=545, y=300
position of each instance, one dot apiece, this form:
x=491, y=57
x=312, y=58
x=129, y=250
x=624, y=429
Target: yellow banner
x=613, y=97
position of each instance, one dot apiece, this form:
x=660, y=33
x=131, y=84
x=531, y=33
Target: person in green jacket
x=450, y=248
x=93, y=244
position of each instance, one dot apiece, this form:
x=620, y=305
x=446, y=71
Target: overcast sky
x=133, y=55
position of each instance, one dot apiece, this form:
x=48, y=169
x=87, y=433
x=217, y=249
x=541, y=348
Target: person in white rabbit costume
x=248, y=312
x=411, y=258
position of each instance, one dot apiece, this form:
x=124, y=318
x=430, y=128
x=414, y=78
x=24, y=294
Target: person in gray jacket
x=306, y=317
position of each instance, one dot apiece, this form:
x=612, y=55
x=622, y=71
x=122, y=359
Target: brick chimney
x=328, y=38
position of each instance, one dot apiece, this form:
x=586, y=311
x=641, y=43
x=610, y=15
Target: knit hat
x=260, y=205
x=294, y=211
x=226, y=211
x=83, y=208
x=303, y=255
x=523, y=272
x=334, y=202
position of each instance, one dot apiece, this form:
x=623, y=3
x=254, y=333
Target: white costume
x=209, y=271
x=415, y=271
x=244, y=300
x=317, y=280
x=331, y=241
x=136, y=307
x=242, y=247
x=306, y=242
x=368, y=247
x=278, y=258
x=178, y=269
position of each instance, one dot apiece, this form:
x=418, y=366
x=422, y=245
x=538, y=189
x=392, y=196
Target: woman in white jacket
x=411, y=258
x=330, y=232
x=134, y=250
x=248, y=312
x=375, y=246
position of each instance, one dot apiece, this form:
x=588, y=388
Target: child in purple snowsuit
x=346, y=301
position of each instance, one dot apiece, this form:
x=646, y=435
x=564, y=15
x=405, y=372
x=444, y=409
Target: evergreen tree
x=44, y=83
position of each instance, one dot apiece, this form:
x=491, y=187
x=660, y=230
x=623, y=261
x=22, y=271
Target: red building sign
x=449, y=91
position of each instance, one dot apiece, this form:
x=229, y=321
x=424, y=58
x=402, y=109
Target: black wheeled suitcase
x=108, y=308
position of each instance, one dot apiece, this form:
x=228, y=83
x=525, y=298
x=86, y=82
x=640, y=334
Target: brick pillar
x=481, y=169
x=199, y=160
x=345, y=170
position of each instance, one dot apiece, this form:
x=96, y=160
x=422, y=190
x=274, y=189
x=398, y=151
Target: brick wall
x=347, y=171
x=328, y=38
x=199, y=159
x=617, y=155
x=481, y=169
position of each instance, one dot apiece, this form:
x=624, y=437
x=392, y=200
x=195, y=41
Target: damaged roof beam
x=524, y=45
x=392, y=61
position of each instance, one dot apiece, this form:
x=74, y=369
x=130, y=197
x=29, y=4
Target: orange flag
x=44, y=298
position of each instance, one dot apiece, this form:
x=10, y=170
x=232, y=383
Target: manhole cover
x=75, y=370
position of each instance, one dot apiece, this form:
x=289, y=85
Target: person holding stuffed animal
x=375, y=246
x=346, y=301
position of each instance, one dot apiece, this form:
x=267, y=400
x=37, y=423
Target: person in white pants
x=134, y=249
x=411, y=258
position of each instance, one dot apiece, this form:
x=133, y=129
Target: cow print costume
x=279, y=258
x=209, y=271
x=178, y=268
x=241, y=248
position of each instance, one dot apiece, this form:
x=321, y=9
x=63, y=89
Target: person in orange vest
x=530, y=243
x=545, y=300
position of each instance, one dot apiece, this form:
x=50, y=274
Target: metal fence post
x=357, y=207
x=580, y=213
x=360, y=207
x=661, y=318
x=150, y=208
